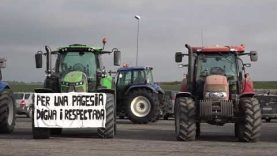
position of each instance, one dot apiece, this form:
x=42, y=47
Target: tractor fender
x=248, y=94
x=184, y=94
x=158, y=88
x=161, y=91
x=3, y=85
x=149, y=87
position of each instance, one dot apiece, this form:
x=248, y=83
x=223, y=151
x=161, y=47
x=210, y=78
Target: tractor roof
x=79, y=47
x=216, y=49
x=133, y=68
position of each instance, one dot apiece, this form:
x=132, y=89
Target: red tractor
x=217, y=90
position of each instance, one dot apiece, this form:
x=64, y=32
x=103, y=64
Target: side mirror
x=38, y=57
x=178, y=57
x=117, y=56
x=253, y=56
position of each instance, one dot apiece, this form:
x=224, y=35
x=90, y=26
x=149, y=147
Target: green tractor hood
x=75, y=81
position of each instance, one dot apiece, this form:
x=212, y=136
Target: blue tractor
x=138, y=97
x=7, y=104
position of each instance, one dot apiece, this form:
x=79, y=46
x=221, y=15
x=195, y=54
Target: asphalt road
x=135, y=140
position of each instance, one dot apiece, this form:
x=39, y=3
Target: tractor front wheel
x=185, y=124
x=39, y=133
x=142, y=106
x=250, y=126
x=110, y=127
x=7, y=112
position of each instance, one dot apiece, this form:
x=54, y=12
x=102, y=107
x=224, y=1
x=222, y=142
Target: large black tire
x=236, y=129
x=148, y=103
x=39, y=133
x=56, y=131
x=250, y=126
x=198, y=129
x=185, y=124
x=161, y=107
x=110, y=127
x=7, y=112
x=167, y=109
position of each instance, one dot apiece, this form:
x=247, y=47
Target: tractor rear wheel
x=161, y=107
x=250, y=126
x=185, y=124
x=167, y=108
x=110, y=127
x=7, y=112
x=142, y=106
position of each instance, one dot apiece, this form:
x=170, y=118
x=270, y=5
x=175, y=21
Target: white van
x=23, y=101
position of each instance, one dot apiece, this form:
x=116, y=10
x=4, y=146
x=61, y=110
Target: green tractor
x=78, y=69
x=7, y=104
x=216, y=90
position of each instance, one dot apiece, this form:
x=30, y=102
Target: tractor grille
x=209, y=108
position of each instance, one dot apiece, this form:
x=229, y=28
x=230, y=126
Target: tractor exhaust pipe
x=190, y=66
x=48, y=61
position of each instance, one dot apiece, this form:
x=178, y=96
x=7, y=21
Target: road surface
x=135, y=140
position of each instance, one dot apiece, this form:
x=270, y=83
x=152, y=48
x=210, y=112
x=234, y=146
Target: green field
x=265, y=84
x=258, y=85
x=26, y=87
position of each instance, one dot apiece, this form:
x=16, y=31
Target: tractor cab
x=2, y=65
x=211, y=67
x=133, y=76
x=77, y=68
x=216, y=69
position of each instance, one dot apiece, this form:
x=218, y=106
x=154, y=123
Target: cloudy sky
x=165, y=27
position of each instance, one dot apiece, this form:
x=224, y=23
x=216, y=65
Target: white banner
x=70, y=110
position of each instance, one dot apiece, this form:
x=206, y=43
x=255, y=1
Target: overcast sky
x=165, y=27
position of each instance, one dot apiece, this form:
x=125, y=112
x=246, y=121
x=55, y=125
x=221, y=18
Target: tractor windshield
x=124, y=78
x=79, y=61
x=217, y=63
x=149, y=76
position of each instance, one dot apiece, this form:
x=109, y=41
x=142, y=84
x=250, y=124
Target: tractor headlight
x=79, y=83
x=64, y=83
x=216, y=95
